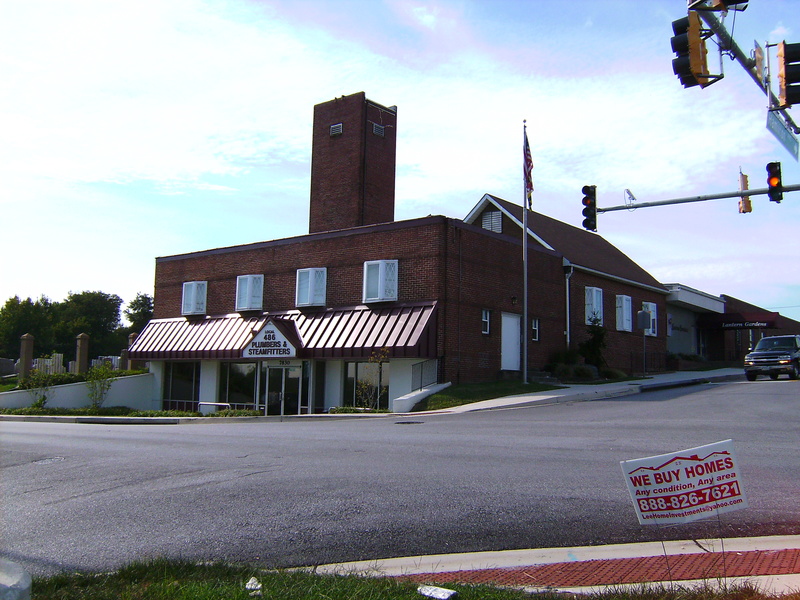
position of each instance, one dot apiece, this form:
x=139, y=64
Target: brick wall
x=463, y=267
x=352, y=174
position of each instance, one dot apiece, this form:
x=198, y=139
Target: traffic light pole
x=748, y=63
x=736, y=194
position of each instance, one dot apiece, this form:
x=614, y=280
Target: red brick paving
x=679, y=567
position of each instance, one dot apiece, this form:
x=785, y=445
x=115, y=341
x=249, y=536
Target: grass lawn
x=182, y=580
x=466, y=393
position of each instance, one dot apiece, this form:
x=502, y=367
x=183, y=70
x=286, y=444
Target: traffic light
x=789, y=74
x=774, y=183
x=590, y=207
x=745, y=205
x=690, y=48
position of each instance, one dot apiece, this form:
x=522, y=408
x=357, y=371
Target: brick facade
x=352, y=171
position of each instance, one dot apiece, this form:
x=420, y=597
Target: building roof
x=584, y=250
x=407, y=330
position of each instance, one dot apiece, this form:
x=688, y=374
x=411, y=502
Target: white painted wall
x=138, y=392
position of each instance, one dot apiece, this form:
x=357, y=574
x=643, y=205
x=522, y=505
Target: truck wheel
x=795, y=372
x=750, y=376
x=773, y=376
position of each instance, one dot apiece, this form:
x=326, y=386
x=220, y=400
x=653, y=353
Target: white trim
x=384, y=287
x=488, y=199
x=193, y=300
x=249, y=292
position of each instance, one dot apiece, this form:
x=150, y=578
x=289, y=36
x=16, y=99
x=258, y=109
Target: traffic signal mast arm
x=748, y=63
x=736, y=194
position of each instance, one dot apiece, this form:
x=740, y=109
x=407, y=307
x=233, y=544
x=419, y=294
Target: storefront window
x=367, y=384
x=181, y=386
x=237, y=384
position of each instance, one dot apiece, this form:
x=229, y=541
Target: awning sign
x=269, y=343
x=685, y=486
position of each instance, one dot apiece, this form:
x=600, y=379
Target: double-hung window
x=624, y=313
x=310, y=289
x=249, y=292
x=534, y=330
x=594, y=306
x=651, y=307
x=194, y=298
x=380, y=280
x=486, y=321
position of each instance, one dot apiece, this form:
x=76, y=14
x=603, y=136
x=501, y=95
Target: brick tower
x=353, y=154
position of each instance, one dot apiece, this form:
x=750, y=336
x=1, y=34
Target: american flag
x=527, y=168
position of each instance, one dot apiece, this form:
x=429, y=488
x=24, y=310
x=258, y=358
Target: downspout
x=567, y=266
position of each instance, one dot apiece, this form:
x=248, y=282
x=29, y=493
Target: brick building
x=366, y=310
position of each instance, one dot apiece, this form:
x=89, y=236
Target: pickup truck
x=772, y=356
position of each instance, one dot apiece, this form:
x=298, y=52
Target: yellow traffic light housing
x=774, y=182
x=745, y=205
x=689, y=45
x=789, y=74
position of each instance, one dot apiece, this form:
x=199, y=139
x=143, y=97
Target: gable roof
x=586, y=251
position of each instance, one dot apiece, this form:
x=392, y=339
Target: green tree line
x=55, y=325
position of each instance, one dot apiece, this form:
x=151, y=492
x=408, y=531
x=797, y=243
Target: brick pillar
x=25, y=355
x=82, y=353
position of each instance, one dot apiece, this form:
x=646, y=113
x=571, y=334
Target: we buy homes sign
x=686, y=485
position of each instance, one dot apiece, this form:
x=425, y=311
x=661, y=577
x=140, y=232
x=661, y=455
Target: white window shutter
x=390, y=280
x=200, y=297
x=242, y=292
x=589, y=304
x=320, y=283
x=256, y=292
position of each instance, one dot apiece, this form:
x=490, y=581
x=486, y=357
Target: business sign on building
x=269, y=343
x=685, y=486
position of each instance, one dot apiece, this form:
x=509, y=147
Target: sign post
x=685, y=486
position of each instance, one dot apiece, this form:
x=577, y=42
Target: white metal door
x=510, y=342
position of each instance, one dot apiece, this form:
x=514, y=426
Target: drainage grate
x=409, y=422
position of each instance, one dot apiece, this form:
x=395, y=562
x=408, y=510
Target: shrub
x=98, y=382
x=584, y=373
x=609, y=373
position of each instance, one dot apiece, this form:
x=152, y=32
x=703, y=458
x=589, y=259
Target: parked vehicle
x=772, y=356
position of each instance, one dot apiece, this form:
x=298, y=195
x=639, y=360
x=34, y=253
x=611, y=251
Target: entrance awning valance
x=407, y=330
x=735, y=320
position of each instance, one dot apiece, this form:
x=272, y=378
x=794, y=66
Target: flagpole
x=525, y=204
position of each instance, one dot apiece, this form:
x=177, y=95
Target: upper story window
x=493, y=221
x=194, y=298
x=594, y=306
x=310, y=289
x=486, y=321
x=651, y=307
x=249, y=292
x=380, y=280
x=624, y=313
x=535, y=330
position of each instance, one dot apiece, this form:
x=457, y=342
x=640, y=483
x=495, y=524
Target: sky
x=133, y=130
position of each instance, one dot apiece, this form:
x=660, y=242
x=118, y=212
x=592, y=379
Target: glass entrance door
x=280, y=390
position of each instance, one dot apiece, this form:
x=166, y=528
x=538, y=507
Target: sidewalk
x=576, y=393
x=771, y=564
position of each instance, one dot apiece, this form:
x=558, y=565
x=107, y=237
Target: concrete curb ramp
x=15, y=582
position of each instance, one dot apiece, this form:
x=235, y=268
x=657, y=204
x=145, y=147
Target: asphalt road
x=302, y=492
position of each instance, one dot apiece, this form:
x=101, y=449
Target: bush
x=609, y=373
x=98, y=381
x=584, y=373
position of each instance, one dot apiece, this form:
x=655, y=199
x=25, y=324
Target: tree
x=18, y=317
x=592, y=348
x=139, y=312
x=96, y=314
